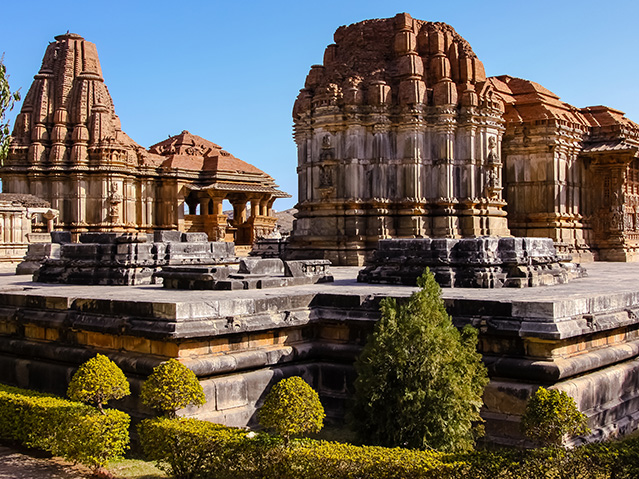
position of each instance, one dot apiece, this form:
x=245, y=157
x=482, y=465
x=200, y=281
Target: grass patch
x=134, y=469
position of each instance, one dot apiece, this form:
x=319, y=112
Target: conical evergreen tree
x=420, y=380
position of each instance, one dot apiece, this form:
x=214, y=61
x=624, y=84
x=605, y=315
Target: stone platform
x=481, y=262
x=123, y=259
x=581, y=337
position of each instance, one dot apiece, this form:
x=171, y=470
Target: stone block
x=165, y=349
x=136, y=344
x=312, y=267
x=229, y=285
x=222, y=249
x=231, y=392
x=483, y=262
x=261, y=340
x=163, y=236
x=61, y=237
x=195, y=238
x=272, y=283
x=270, y=266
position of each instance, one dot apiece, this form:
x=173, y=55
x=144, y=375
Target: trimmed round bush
x=97, y=381
x=292, y=408
x=171, y=387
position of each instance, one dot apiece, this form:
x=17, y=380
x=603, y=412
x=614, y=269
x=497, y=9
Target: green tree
x=420, y=380
x=292, y=408
x=98, y=381
x=7, y=100
x=172, y=386
x=551, y=416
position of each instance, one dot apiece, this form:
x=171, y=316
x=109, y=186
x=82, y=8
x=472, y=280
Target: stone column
x=204, y=206
x=239, y=213
x=255, y=207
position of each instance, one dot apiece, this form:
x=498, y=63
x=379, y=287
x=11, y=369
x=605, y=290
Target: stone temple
x=69, y=149
x=400, y=134
x=404, y=146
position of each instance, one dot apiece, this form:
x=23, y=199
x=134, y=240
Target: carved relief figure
x=114, y=199
x=492, y=156
x=326, y=176
x=328, y=152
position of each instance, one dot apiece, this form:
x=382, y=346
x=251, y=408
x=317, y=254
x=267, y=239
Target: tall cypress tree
x=420, y=380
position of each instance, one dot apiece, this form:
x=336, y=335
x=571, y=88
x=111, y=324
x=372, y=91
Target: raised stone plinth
x=484, y=262
x=581, y=337
x=130, y=258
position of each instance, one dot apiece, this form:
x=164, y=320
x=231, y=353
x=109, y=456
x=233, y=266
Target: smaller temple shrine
x=209, y=175
x=24, y=219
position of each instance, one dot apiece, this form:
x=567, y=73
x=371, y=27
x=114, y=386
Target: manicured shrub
x=292, y=408
x=420, y=380
x=172, y=386
x=93, y=438
x=551, y=416
x=333, y=460
x=65, y=428
x=97, y=381
x=189, y=448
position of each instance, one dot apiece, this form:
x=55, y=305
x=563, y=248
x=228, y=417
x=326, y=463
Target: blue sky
x=230, y=71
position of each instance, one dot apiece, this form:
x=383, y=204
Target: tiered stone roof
x=192, y=152
x=527, y=101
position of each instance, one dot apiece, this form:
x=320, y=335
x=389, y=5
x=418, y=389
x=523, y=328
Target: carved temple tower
x=401, y=135
x=398, y=135
x=68, y=147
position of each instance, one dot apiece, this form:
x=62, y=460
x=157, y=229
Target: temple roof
x=402, y=55
x=70, y=99
x=192, y=152
x=26, y=200
x=527, y=101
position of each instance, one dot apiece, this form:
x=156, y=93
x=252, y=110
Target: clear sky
x=230, y=71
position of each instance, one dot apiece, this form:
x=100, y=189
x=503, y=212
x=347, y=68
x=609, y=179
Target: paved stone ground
x=17, y=465
x=603, y=278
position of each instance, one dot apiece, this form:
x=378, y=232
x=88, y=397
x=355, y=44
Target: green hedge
x=323, y=460
x=191, y=449
x=65, y=428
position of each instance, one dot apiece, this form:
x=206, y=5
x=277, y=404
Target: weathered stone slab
x=195, y=237
x=37, y=253
x=61, y=237
x=270, y=266
x=113, y=237
x=163, y=236
x=128, y=258
x=316, y=268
